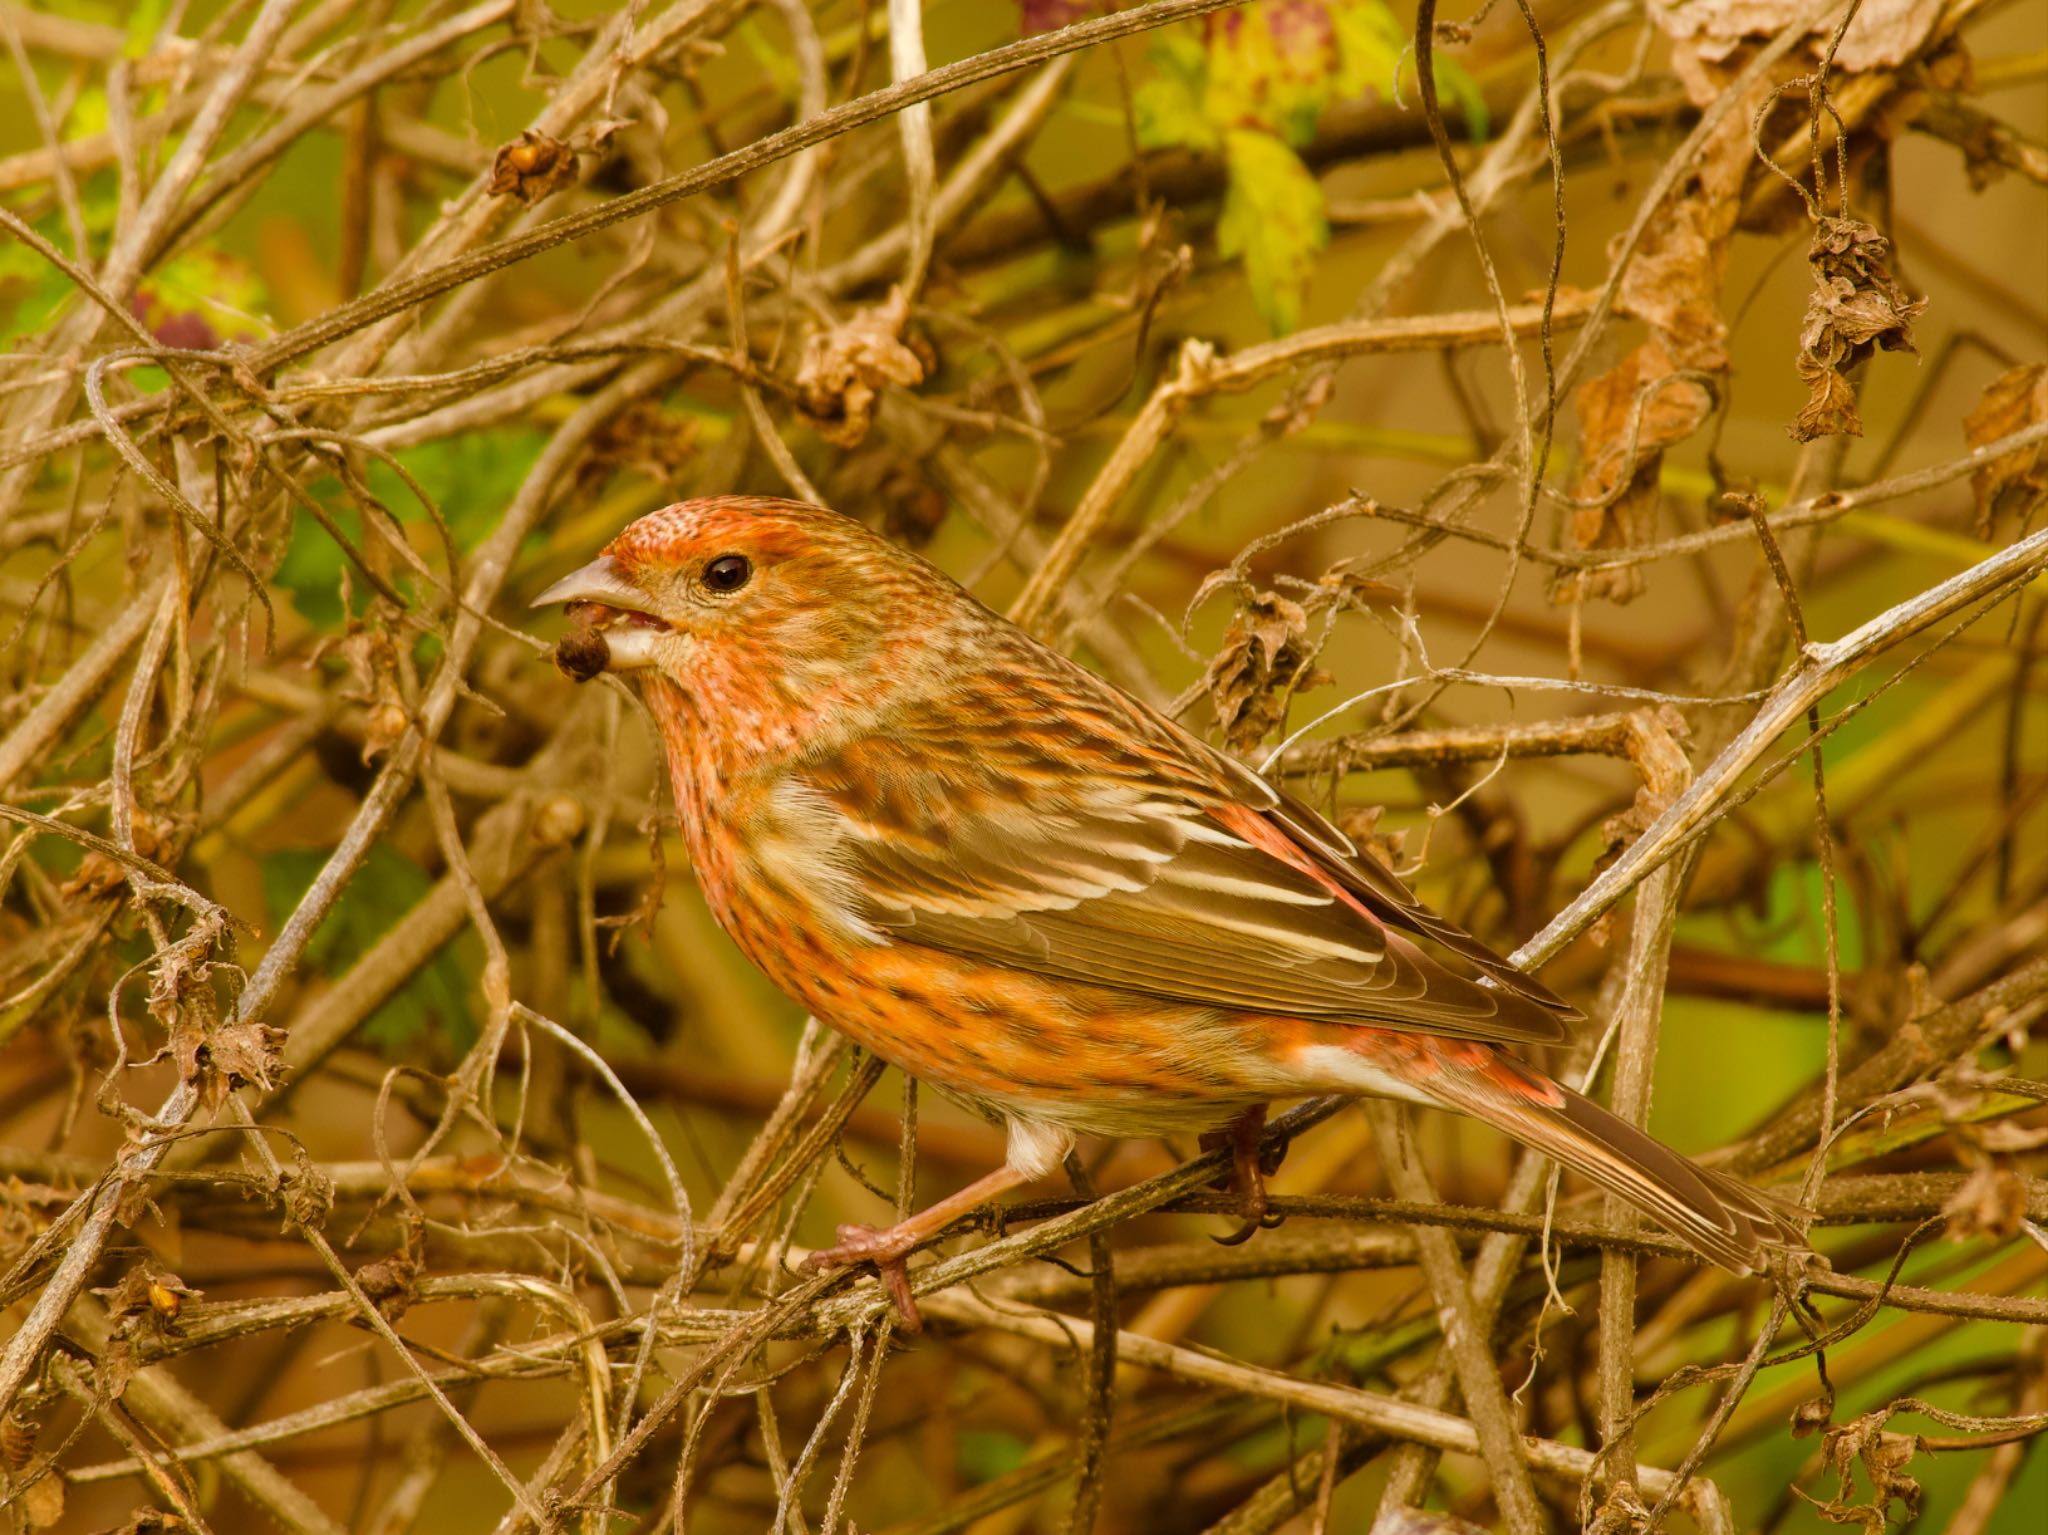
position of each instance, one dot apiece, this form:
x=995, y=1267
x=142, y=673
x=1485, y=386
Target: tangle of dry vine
x=391, y=1142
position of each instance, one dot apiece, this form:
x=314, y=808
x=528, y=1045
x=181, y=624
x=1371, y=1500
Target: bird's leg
x=886, y=1248
x=1249, y=1169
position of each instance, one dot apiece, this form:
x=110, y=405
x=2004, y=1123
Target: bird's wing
x=1077, y=846
x=1364, y=879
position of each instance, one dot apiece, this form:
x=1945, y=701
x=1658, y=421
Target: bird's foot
x=885, y=1248
x=1250, y=1166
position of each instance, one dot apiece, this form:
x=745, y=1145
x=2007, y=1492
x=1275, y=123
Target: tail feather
x=1724, y=1220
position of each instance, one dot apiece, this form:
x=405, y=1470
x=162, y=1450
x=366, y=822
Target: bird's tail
x=1724, y=1220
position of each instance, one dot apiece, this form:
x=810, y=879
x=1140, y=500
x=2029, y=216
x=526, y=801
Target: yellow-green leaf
x=1172, y=107
x=1273, y=219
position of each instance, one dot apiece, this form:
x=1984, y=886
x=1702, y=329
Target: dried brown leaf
x=1884, y=1457
x=2013, y=483
x=247, y=1054
x=1263, y=662
x=100, y=877
x=887, y=480
x=1813, y=1415
x=1884, y=33
x=643, y=438
x=1673, y=286
x=1674, y=283
x=307, y=1192
x=149, y=1296
x=1614, y=444
x=845, y=367
x=1857, y=307
x=391, y=1282
x=42, y=1504
x=1830, y=407
x=133, y=1203
x=117, y=1366
x=371, y=657
x=1992, y=1202
x=216, y=1058
x=531, y=167
x=1619, y=832
x=1361, y=824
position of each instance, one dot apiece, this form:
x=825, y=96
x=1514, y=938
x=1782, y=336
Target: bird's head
x=746, y=600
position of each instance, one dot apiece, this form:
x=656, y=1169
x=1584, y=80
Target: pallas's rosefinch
x=1003, y=875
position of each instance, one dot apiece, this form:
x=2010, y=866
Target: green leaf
x=1270, y=68
x=1273, y=219
x=311, y=567
x=28, y=304
x=1375, y=53
x=470, y=478
x=1171, y=108
x=1371, y=47
x=433, y=1005
x=1257, y=87
x=32, y=290
x=1452, y=81
x=209, y=283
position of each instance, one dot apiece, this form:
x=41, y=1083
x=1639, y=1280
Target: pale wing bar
x=1150, y=895
x=1383, y=893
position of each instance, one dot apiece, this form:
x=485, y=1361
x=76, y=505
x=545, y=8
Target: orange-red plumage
x=995, y=870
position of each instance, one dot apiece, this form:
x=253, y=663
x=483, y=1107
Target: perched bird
x=1000, y=873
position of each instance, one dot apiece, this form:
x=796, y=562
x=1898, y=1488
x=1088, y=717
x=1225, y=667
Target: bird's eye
x=728, y=573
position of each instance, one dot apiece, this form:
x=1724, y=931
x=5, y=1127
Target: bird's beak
x=601, y=581
x=627, y=631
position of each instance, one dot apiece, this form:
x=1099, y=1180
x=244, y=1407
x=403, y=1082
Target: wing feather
x=1132, y=877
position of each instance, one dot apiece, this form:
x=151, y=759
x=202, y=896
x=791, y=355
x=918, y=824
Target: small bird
x=1005, y=876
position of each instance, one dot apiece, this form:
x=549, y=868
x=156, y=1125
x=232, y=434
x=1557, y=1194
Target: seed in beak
x=582, y=654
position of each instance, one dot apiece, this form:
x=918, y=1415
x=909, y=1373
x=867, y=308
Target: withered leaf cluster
x=533, y=166
x=1663, y=390
x=1857, y=307
x=846, y=366
x=218, y=1057
x=1263, y=661
x=147, y=1296
x=1883, y=1457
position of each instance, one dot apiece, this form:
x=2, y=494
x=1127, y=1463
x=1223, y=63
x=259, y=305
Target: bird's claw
x=1249, y=1227
x=1250, y=1164
x=886, y=1251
